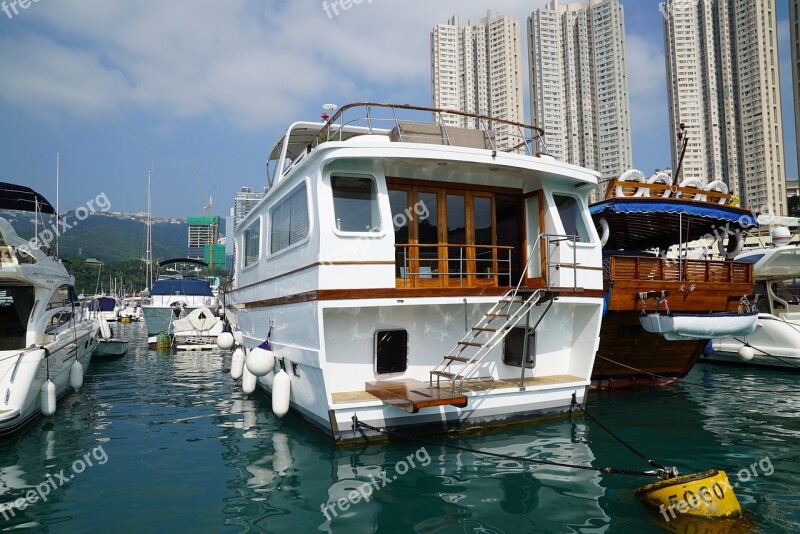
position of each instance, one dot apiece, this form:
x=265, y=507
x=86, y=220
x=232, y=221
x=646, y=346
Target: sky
x=200, y=90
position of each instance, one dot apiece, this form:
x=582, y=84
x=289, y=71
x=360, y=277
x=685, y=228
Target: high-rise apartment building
x=476, y=67
x=579, y=84
x=723, y=83
x=794, y=24
x=244, y=201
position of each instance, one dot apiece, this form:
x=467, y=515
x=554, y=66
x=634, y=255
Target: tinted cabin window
x=513, y=346
x=457, y=234
x=355, y=204
x=252, y=243
x=289, y=220
x=401, y=214
x=571, y=212
x=482, y=213
x=391, y=351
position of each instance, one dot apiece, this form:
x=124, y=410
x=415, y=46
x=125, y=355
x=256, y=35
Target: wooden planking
x=472, y=386
x=623, y=340
x=413, y=395
x=706, y=297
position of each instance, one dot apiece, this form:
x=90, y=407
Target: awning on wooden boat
x=647, y=223
x=20, y=198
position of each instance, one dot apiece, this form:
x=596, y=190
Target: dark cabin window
x=513, y=345
x=391, y=351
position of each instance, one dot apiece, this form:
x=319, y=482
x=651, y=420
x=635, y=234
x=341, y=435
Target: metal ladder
x=476, y=338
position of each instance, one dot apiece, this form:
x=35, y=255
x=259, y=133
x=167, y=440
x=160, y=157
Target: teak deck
x=393, y=391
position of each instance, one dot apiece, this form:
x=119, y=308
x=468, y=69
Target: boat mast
x=149, y=251
x=57, y=199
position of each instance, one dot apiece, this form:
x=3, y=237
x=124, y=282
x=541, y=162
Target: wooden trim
x=395, y=181
x=587, y=268
x=402, y=294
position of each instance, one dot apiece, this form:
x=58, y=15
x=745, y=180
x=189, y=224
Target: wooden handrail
x=662, y=269
x=443, y=245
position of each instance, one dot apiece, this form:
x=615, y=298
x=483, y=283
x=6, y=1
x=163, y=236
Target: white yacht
x=44, y=330
x=176, y=295
x=412, y=275
x=776, y=339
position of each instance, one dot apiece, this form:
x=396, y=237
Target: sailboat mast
x=149, y=252
x=58, y=156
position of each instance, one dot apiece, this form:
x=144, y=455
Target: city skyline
x=204, y=88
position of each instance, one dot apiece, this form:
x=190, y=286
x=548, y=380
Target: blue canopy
x=105, y=304
x=182, y=286
x=648, y=223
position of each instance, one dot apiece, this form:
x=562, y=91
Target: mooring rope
x=698, y=384
x=611, y=470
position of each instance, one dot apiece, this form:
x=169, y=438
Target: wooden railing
x=629, y=189
x=669, y=270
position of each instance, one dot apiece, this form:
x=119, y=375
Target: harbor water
x=168, y=443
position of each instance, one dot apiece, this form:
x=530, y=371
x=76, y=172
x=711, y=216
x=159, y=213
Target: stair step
x=470, y=344
x=443, y=374
x=457, y=359
x=485, y=329
x=498, y=315
x=515, y=301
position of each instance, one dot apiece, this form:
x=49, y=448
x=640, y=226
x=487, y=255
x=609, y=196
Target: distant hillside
x=110, y=239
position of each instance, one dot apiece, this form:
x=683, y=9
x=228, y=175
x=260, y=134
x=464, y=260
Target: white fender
x=48, y=398
x=105, y=330
x=225, y=340
x=281, y=389
x=237, y=363
x=248, y=381
x=261, y=359
x=660, y=177
x=76, y=375
x=630, y=175
x=723, y=250
x=691, y=182
x=717, y=185
x=606, y=233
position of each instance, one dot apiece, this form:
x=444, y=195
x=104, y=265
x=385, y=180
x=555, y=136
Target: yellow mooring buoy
x=706, y=495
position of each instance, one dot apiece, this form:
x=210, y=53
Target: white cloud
x=253, y=64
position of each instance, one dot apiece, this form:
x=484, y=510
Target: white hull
x=111, y=347
x=331, y=346
x=24, y=398
x=775, y=343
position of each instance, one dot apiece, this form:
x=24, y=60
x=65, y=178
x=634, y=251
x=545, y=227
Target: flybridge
x=404, y=124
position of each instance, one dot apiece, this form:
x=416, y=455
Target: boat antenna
x=683, y=140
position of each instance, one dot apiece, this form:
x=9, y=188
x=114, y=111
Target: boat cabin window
x=391, y=351
x=63, y=296
x=289, y=220
x=570, y=211
x=513, y=347
x=355, y=204
x=16, y=304
x=252, y=243
x=453, y=236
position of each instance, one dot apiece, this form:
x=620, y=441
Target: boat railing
x=628, y=189
x=419, y=262
x=673, y=270
x=420, y=124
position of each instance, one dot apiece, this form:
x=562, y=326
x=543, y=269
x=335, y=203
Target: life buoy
x=732, y=248
x=605, y=232
x=663, y=178
x=717, y=185
x=629, y=175
x=693, y=183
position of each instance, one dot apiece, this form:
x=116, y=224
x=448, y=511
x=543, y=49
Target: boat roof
x=182, y=286
x=182, y=260
x=648, y=223
x=20, y=198
x=774, y=263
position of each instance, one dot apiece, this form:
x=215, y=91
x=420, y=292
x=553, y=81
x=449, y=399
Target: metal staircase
x=494, y=326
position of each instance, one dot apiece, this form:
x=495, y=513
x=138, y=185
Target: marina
x=186, y=450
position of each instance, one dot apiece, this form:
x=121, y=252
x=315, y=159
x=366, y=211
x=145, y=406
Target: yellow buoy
x=705, y=495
